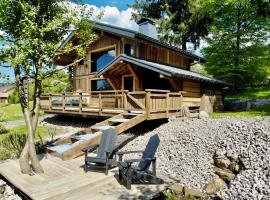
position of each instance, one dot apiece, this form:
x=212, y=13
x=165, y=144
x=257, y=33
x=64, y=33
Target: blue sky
x=120, y=4
x=115, y=12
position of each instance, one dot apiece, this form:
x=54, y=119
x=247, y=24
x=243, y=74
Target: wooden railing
x=150, y=101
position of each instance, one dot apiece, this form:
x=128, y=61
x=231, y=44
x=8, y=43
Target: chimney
x=147, y=27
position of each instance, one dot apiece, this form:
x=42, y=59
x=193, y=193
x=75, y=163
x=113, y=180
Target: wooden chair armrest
x=139, y=160
x=128, y=152
x=90, y=148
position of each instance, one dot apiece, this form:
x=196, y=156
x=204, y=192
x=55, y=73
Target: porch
x=155, y=104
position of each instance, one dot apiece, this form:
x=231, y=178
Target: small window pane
x=101, y=59
x=129, y=49
x=99, y=85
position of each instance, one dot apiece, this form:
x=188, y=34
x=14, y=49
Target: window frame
x=100, y=50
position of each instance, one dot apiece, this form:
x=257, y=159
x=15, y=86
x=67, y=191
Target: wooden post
x=99, y=103
x=167, y=104
x=50, y=101
x=148, y=104
x=63, y=101
x=125, y=100
x=80, y=103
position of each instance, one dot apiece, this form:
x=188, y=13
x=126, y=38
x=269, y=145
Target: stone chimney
x=147, y=27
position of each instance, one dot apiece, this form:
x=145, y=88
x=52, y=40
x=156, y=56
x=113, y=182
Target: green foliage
x=170, y=196
x=3, y=129
x=260, y=111
x=57, y=83
x=250, y=93
x=13, y=143
x=180, y=21
x=3, y=116
x=237, y=51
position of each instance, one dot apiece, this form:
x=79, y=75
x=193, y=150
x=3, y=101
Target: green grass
x=13, y=112
x=21, y=129
x=250, y=93
x=260, y=111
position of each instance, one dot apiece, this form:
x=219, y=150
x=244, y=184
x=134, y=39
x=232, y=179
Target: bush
x=3, y=129
x=3, y=116
x=13, y=143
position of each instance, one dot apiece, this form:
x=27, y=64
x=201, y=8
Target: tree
x=32, y=31
x=237, y=51
x=179, y=21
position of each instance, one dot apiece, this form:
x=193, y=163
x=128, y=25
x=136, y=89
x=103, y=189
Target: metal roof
x=162, y=69
x=133, y=34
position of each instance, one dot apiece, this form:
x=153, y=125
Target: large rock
x=189, y=192
x=215, y=186
x=176, y=188
x=222, y=162
x=234, y=167
x=203, y=114
x=225, y=174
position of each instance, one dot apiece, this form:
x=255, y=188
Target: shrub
x=14, y=143
x=3, y=116
x=3, y=129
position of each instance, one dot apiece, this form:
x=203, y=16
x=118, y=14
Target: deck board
x=67, y=180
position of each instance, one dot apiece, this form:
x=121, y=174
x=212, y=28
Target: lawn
x=260, y=111
x=13, y=112
x=250, y=93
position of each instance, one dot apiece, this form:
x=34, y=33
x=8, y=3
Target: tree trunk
x=28, y=157
x=184, y=42
x=31, y=144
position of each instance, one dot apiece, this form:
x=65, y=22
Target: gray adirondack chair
x=129, y=173
x=105, y=152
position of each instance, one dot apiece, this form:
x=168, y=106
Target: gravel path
x=187, y=147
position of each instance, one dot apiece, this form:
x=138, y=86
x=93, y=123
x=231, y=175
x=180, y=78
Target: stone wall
x=244, y=104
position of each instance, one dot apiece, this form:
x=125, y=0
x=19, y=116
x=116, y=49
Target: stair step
x=119, y=120
x=132, y=114
x=83, y=137
x=102, y=128
x=61, y=148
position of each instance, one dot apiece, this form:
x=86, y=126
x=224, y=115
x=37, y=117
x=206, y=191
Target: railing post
x=148, y=104
x=99, y=103
x=167, y=104
x=63, y=101
x=125, y=100
x=80, y=102
x=50, y=101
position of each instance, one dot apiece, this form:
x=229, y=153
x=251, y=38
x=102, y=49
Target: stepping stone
x=119, y=120
x=102, y=128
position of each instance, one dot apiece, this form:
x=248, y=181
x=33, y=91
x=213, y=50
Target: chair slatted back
x=149, y=152
x=107, y=142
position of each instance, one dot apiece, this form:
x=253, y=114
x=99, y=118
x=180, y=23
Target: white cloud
x=112, y=15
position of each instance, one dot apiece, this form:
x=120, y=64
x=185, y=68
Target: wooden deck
x=67, y=180
x=155, y=103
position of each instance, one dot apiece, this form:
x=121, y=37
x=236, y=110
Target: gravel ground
x=187, y=147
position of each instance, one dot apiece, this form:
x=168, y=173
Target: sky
x=116, y=12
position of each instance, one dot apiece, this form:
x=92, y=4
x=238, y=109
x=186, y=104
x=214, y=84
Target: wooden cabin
x=126, y=70
x=129, y=76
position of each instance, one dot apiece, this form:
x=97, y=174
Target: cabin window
x=101, y=59
x=99, y=85
x=129, y=49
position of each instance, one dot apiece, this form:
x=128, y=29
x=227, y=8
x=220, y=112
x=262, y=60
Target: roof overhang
x=162, y=69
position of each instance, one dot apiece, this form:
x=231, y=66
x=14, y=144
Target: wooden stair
x=70, y=147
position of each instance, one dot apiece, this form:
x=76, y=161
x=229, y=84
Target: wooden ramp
x=70, y=147
x=67, y=180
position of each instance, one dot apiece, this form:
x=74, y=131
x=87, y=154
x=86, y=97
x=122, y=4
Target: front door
x=128, y=83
